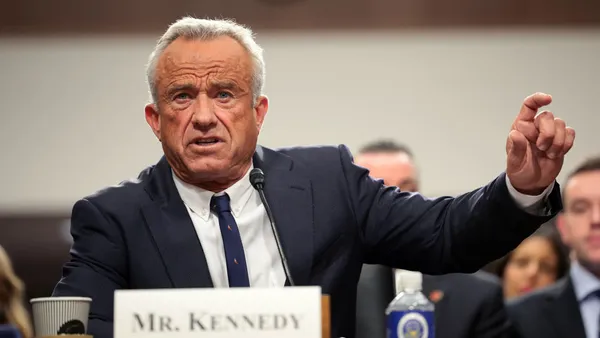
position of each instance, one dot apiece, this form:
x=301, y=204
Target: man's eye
x=223, y=95
x=182, y=96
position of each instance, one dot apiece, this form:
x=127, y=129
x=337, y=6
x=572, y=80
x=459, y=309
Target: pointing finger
x=531, y=105
x=544, y=122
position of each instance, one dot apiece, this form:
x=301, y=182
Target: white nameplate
x=291, y=312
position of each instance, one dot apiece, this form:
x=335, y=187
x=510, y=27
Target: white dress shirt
x=265, y=268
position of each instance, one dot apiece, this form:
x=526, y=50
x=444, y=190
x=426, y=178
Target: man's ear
x=153, y=119
x=261, y=107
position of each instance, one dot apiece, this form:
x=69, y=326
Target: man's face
x=579, y=224
x=395, y=169
x=205, y=117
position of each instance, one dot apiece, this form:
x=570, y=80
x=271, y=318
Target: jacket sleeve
x=438, y=235
x=98, y=265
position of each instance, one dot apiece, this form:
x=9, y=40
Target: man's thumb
x=516, y=149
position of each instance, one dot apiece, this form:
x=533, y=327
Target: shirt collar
x=584, y=282
x=198, y=199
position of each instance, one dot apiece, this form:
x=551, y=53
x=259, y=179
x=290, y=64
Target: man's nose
x=596, y=214
x=204, y=114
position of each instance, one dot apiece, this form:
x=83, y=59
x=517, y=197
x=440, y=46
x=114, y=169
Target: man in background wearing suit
x=466, y=305
x=195, y=219
x=570, y=307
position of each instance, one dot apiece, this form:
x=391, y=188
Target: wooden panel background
x=38, y=246
x=43, y=17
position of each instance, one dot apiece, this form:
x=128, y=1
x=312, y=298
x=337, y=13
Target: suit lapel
x=564, y=310
x=173, y=231
x=289, y=195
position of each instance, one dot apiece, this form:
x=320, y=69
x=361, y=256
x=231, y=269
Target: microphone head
x=257, y=178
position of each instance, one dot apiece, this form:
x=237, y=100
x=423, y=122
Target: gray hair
x=207, y=29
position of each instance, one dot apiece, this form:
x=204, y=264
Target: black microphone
x=257, y=179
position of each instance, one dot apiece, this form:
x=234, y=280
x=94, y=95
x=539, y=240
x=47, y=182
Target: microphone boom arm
x=257, y=179
x=286, y=268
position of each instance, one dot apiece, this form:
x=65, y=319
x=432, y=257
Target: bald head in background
x=391, y=162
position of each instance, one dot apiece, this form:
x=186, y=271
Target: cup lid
x=60, y=299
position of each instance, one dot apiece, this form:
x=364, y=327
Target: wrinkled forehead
x=222, y=56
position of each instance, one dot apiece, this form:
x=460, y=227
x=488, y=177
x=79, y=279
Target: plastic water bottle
x=410, y=314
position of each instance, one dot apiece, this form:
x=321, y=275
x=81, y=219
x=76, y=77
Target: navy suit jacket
x=550, y=312
x=331, y=215
x=472, y=306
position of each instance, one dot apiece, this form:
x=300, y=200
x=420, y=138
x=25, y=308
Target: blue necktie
x=237, y=272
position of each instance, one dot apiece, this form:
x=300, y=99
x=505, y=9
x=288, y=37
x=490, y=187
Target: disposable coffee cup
x=54, y=316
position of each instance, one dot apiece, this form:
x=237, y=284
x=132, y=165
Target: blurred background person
x=570, y=307
x=537, y=262
x=12, y=311
x=466, y=305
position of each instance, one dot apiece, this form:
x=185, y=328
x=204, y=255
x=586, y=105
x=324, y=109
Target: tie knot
x=220, y=203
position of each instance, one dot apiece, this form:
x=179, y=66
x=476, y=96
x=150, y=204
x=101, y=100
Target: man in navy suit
x=194, y=219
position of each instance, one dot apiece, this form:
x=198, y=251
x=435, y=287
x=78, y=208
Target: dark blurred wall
x=38, y=246
x=43, y=17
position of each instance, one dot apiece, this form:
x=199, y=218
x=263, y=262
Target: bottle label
x=411, y=324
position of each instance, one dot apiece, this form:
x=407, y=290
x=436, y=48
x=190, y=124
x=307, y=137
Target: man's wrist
x=531, y=192
x=530, y=200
